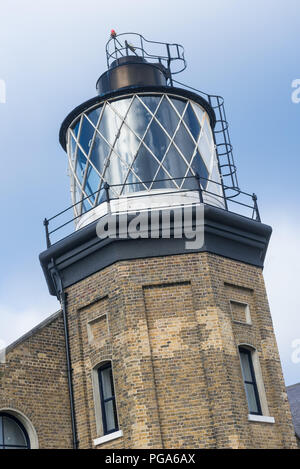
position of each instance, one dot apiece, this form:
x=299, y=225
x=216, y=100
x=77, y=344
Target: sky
x=51, y=54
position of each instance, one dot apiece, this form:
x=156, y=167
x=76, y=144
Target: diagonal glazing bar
x=146, y=146
x=142, y=138
x=112, y=149
x=92, y=145
x=161, y=166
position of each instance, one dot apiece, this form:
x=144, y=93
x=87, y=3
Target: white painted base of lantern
x=140, y=201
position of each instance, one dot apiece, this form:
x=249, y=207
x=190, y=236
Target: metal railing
x=245, y=205
x=163, y=53
x=223, y=144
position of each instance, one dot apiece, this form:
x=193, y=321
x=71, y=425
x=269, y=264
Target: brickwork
x=171, y=327
x=167, y=325
x=33, y=382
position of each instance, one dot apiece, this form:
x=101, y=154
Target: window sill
x=260, y=418
x=109, y=437
x=244, y=323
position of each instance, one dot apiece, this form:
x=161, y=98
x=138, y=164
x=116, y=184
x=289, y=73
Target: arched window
x=12, y=433
x=108, y=400
x=250, y=381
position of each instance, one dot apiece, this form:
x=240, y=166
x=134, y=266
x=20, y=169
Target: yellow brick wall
x=33, y=381
x=167, y=325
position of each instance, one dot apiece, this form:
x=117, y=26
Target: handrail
x=223, y=144
x=171, y=52
x=202, y=192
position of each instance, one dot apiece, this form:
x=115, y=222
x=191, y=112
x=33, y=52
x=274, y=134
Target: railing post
x=46, y=225
x=199, y=188
x=106, y=188
x=254, y=198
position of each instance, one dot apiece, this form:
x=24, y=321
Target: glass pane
x=86, y=135
x=206, y=127
x=192, y=122
x=94, y=115
x=206, y=149
x=13, y=435
x=246, y=367
x=200, y=168
x=107, y=387
x=133, y=184
x=72, y=146
x=86, y=205
x=100, y=153
x=92, y=182
x=157, y=140
x=111, y=420
x=190, y=182
x=145, y=166
x=102, y=195
x=116, y=172
x=215, y=176
x=81, y=165
x=216, y=186
x=163, y=184
x=175, y=164
x=138, y=117
x=180, y=105
x=76, y=127
x=184, y=141
x=167, y=117
x=251, y=397
x=109, y=125
x=199, y=112
x=127, y=144
x=151, y=102
x=121, y=106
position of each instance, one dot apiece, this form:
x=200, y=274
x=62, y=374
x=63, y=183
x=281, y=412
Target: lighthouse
x=169, y=344
x=141, y=137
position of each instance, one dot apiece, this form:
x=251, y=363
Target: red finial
x=113, y=33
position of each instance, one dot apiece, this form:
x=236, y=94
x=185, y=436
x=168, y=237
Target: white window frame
x=265, y=417
x=101, y=438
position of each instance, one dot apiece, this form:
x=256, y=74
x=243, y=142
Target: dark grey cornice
x=83, y=253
